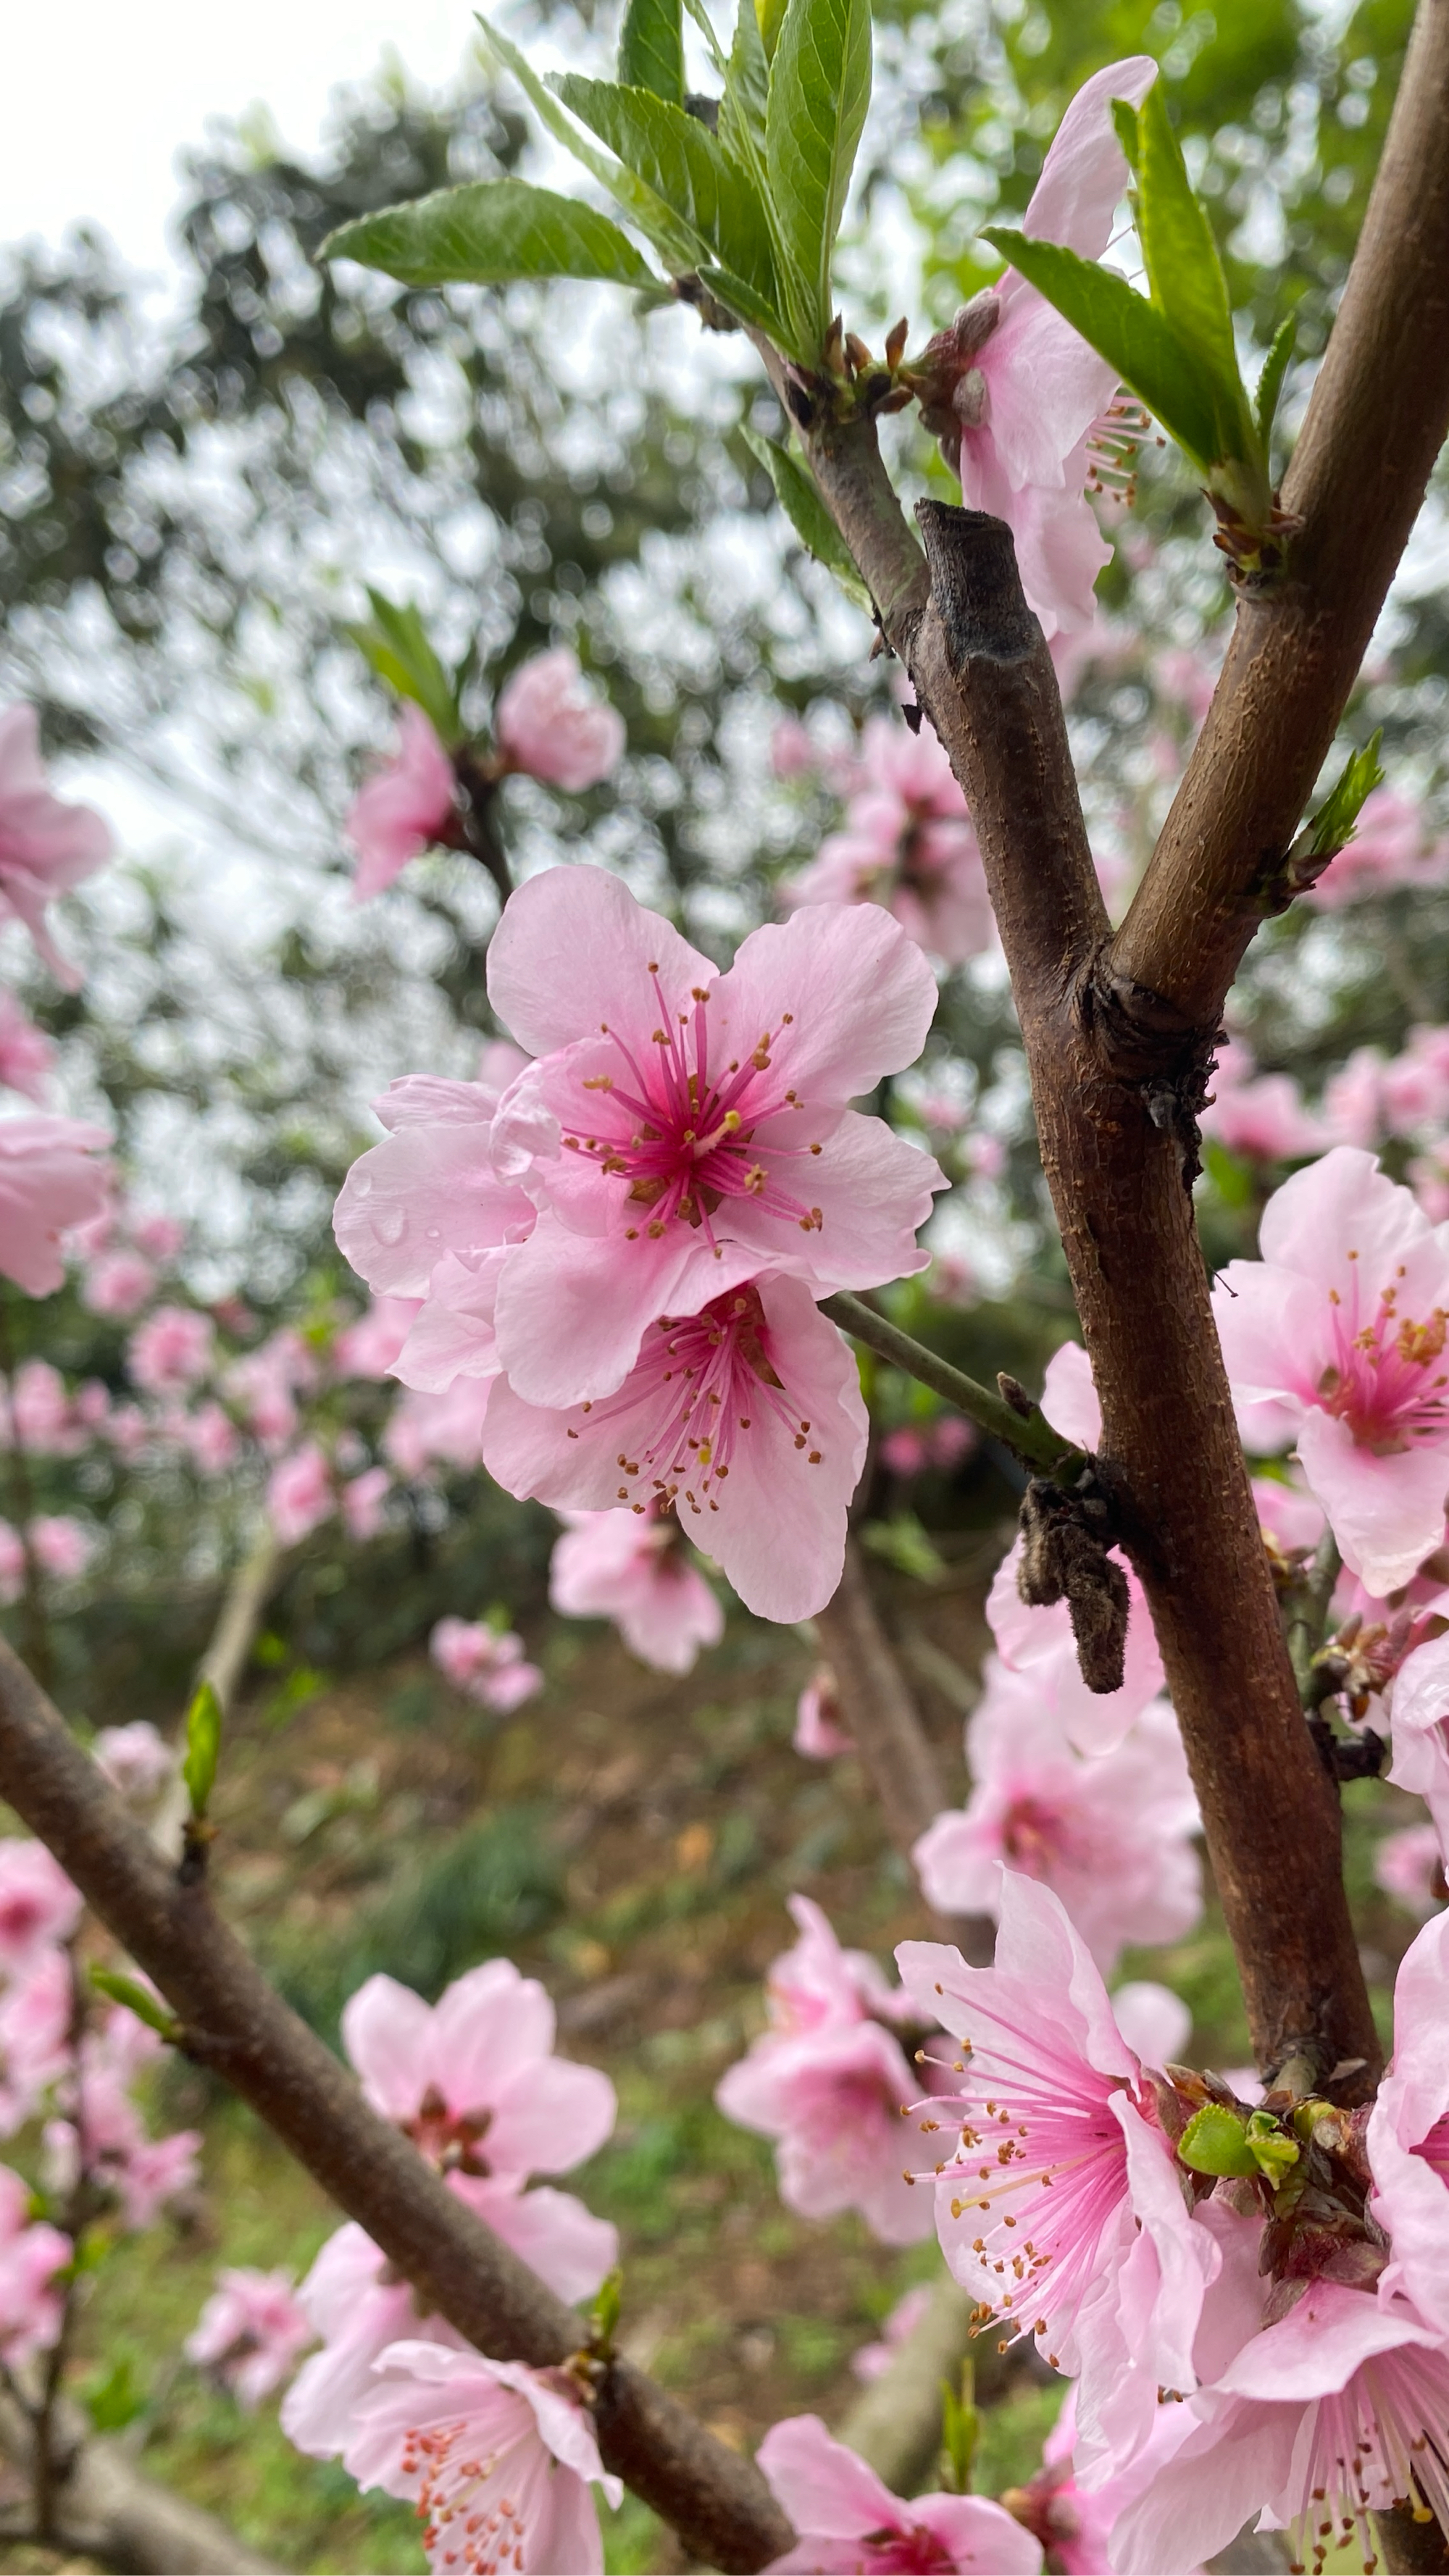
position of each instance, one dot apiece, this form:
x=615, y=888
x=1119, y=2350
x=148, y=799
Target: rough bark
x=232, y=2021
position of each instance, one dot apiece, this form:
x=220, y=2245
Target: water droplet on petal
x=390, y=1225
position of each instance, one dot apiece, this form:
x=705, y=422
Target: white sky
x=99, y=95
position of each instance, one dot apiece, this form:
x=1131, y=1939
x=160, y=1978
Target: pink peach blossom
x=1038, y=1644
x=1408, y=2133
x=210, y=1438
x=402, y=809
x=550, y=725
x=31, y=2254
x=250, y=2332
x=908, y=844
x=446, y=1430
x=419, y=1216
x=159, y=1237
x=35, y=2018
x=484, y=1665
x=1111, y=1833
x=1059, y=2201
x=171, y=1350
x=356, y=2307
x=473, y=2079
x=265, y=1384
x=499, y=2458
x=872, y=2359
x=703, y=1116
x=42, y=1416
x=364, y=1503
x=103, y=2133
x=1321, y=2419
x=46, y=846
x=1390, y=848
x=818, y=1984
x=26, y=1053
x=832, y=2099
x=848, y=2524
x=1336, y=1337
x=370, y=1347
x=819, y=1734
x=1262, y=1116
x=135, y=1760
x=615, y=1565
x=38, y=1905
x=1014, y=391
x=118, y=1284
x=62, y=1547
x=49, y=1181
x=1409, y=1865
x=747, y=1416
x=12, y=1564
x=300, y=1494
x=1155, y=2022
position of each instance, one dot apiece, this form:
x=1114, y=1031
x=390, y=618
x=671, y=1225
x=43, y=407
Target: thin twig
x=1030, y=1435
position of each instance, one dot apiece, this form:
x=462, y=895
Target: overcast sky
x=99, y=95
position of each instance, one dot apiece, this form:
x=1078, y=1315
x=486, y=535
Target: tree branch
x=1374, y=426
x=233, y=2022
x=1029, y=1434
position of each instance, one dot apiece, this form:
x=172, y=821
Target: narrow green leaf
x=1270, y=383
x=799, y=498
x=751, y=308
x=1336, y=821
x=1124, y=118
x=137, y=1999
x=705, y=24
x=819, y=93
x=678, y=159
x=487, y=233
x=769, y=18
x=1274, y=2154
x=397, y=646
x=203, y=1746
x=743, y=107
x=1128, y=332
x=1215, y=2141
x=651, y=48
x=1184, y=271
x=671, y=238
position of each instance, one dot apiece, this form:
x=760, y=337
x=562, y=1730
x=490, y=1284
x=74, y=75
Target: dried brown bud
x=1065, y=1538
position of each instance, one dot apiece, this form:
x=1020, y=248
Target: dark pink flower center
x=914, y=2551
x=453, y=2140
x=1035, y=1836
x=1384, y=1379
x=679, y=1132
x=710, y=1382
x=1435, y=2148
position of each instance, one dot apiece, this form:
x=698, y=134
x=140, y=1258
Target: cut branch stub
x=1064, y=1542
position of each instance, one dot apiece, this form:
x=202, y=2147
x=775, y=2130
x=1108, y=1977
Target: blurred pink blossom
x=819, y=1733
x=1409, y=1865
x=403, y=808
x=1421, y=1731
x=159, y=1237
x=369, y=1347
x=1408, y=2133
x=908, y=844
x=794, y=752
x=634, y=1568
x=444, y=1430
x=12, y=1564
x=499, y=2459
x=49, y=1182
x=1185, y=678
x=265, y=1384
x=31, y=2254
x=1335, y=1340
x=171, y=1350
x=484, y=1665
x=63, y=1547
x=135, y=1759
x=46, y=846
x=848, y=2524
x=250, y=2332
x=118, y=1284
x=873, y=2358
x=364, y=1500
x=38, y=1905
x=26, y=1053
x=551, y=725
x=103, y=2133
x=1390, y=848
x=1261, y=1117
x=210, y=1438
x=300, y=1494
x=35, y=2019
x=42, y=1417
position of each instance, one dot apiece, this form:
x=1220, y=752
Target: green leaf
x=651, y=48
x=819, y=93
x=1273, y=2152
x=960, y=2429
x=1128, y=332
x=604, y=2314
x=137, y=1999
x=1215, y=2141
x=116, y=2400
x=203, y=1746
x=1184, y=272
x=742, y=110
x=1336, y=821
x=679, y=160
x=397, y=647
x=649, y=212
x=769, y=18
x=905, y=1543
x=1270, y=383
x=487, y=233
x=799, y=497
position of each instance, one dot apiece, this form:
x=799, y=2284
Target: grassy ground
x=630, y=1840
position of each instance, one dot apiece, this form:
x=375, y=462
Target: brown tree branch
x=884, y=1723
x=1375, y=424
x=107, y=2508
x=234, y=2023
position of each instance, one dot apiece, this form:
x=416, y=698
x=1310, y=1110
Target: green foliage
x=651, y=212
x=203, y=1748
x=651, y=49
x=1128, y=332
x=960, y=2430
x=1184, y=272
x=820, y=77
x=488, y=233
x=1336, y=821
x=678, y=159
x=115, y=2399
x=138, y=1999
x=396, y=644
x=799, y=496
x=1215, y=2141
x=1270, y=382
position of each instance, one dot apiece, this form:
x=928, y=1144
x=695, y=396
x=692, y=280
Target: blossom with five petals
x=704, y=1129
x=1336, y=1339
x=849, y=2524
x=637, y=1572
x=250, y=2332
x=746, y=1419
x=551, y=726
